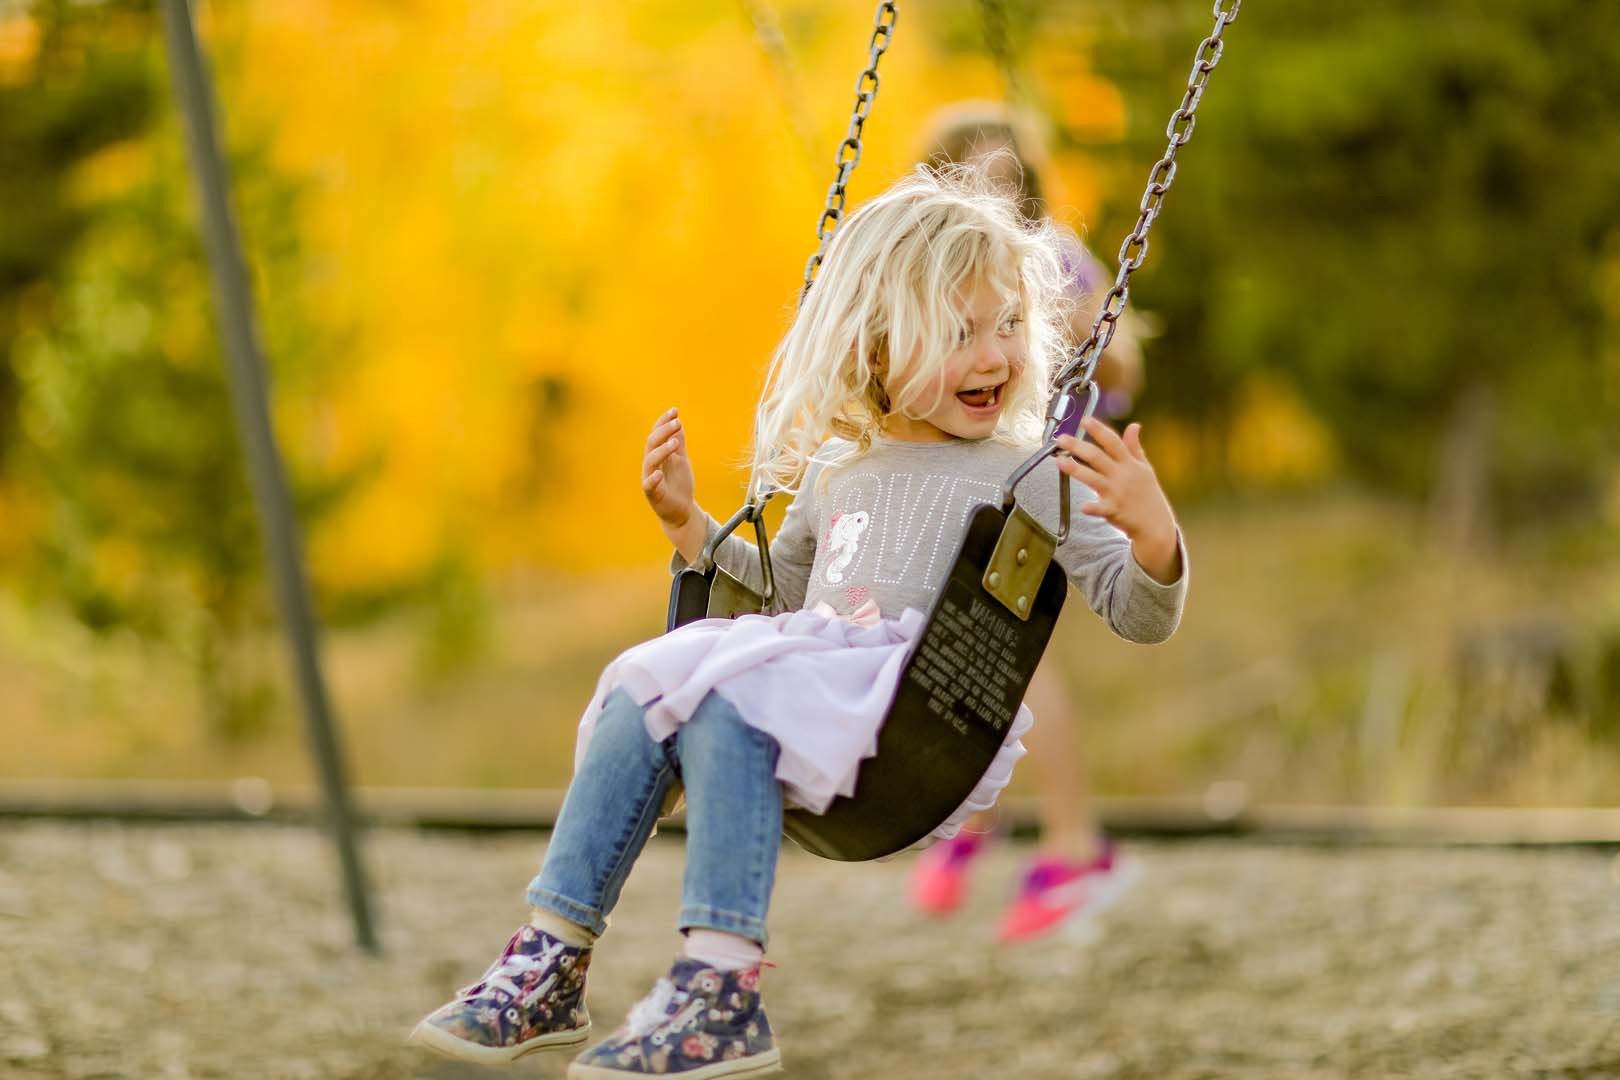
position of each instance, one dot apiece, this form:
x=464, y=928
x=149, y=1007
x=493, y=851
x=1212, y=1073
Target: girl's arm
x=1128, y=495
x=793, y=552
x=1125, y=551
x=666, y=480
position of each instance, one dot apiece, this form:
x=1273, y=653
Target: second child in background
x=1076, y=871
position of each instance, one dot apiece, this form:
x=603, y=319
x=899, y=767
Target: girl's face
x=964, y=399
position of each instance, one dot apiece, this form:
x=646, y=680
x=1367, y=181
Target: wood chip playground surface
x=181, y=951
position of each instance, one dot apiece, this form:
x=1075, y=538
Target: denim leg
x=733, y=820
x=607, y=815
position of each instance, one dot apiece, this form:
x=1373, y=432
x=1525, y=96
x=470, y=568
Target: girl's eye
x=1009, y=325
x=963, y=336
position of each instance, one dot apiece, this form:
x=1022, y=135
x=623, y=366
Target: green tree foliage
x=1404, y=209
x=89, y=86
x=128, y=434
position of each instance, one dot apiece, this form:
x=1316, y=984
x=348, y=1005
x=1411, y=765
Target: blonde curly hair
x=886, y=310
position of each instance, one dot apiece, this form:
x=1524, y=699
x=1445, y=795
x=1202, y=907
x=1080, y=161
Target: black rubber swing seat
x=959, y=691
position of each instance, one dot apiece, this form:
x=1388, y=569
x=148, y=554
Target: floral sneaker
x=1058, y=892
x=531, y=998
x=697, y=1023
x=940, y=877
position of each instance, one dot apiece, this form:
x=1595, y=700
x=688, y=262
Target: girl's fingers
x=1105, y=437
x=1133, y=441
x=662, y=431
x=1085, y=474
x=1091, y=454
x=650, y=482
x=1096, y=508
x=658, y=455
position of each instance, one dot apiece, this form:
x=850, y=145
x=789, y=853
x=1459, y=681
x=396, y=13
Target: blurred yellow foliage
x=1275, y=440
x=111, y=172
x=541, y=224
x=19, y=43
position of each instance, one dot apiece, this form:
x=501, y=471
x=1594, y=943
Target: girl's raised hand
x=666, y=473
x=1128, y=493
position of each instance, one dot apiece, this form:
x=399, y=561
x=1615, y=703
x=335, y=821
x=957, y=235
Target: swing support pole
x=250, y=400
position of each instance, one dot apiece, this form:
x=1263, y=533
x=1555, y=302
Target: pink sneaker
x=1056, y=891
x=939, y=879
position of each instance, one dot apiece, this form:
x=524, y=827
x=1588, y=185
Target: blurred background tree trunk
x=1460, y=512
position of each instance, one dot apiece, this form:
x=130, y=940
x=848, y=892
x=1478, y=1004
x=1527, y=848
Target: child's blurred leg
x=939, y=879
x=532, y=996
x=1069, y=825
x=1076, y=872
x=705, y=1017
x=1062, y=893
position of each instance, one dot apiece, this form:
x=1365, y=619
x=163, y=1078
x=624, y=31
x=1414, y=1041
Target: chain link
x=1083, y=359
x=849, y=151
x=847, y=157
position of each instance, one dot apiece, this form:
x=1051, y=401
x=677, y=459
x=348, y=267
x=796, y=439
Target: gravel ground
x=222, y=951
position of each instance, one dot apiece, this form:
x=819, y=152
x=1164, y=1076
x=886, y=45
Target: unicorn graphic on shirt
x=844, y=543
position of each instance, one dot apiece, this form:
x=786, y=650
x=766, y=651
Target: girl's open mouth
x=986, y=397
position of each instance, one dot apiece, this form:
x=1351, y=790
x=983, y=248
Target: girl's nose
x=993, y=355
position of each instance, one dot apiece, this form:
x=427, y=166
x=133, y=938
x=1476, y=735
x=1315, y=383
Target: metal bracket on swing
x=705, y=590
x=728, y=596
x=1025, y=548
x=1018, y=563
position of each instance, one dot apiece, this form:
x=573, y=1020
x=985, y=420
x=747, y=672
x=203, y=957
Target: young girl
x=910, y=385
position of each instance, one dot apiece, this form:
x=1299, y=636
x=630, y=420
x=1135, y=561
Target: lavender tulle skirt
x=818, y=683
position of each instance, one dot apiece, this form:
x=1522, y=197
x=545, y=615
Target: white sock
x=723, y=951
x=569, y=933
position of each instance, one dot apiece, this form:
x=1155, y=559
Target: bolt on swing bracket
x=1018, y=564
x=1025, y=548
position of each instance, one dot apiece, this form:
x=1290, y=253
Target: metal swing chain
x=1133, y=252
x=849, y=151
x=847, y=157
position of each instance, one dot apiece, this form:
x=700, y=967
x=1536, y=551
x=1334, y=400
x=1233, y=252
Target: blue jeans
x=733, y=818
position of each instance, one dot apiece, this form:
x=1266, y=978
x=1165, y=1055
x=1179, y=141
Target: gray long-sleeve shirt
x=883, y=528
